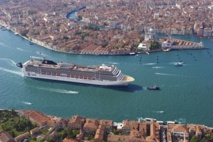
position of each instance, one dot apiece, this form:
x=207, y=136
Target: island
x=108, y=27
x=34, y=126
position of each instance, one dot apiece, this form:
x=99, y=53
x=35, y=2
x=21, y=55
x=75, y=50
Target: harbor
x=153, y=43
x=179, y=85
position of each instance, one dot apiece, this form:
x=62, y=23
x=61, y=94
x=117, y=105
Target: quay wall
x=178, y=47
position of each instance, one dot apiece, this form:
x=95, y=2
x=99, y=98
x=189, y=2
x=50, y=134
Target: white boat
x=147, y=52
x=105, y=75
x=171, y=122
x=160, y=122
x=150, y=119
x=178, y=64
x=166, y=49
x=132, y=53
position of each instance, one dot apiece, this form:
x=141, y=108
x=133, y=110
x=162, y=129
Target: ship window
x=64, y=75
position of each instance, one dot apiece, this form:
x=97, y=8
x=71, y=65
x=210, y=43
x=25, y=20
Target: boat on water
x=104, y=75
x=178, y=64
x=132, y=53
x=153, y=87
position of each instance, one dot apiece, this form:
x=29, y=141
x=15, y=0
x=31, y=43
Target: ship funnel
x=19, y=65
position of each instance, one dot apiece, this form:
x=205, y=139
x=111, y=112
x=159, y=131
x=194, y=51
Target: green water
x=186, y=92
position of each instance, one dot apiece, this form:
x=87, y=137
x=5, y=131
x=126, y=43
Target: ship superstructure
x=106, y=75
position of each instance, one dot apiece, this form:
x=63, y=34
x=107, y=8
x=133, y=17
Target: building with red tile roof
x=21, y=137
x=76, y=122
x=36, y=117
x=99, y=135
x=91, y=125
x=6, y=137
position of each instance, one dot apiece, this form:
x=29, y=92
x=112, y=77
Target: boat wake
x=175, y=63
x=157, y=67
x=27, y=103
x=42, y=54
x=63, y=91
x=3, y=44
x=20, y=49
x=166, y=74
x=11, y=71
x=159, y=111
x=149, y=64
x=8, y=60
x=67, y=91
x=114, y=63
x=177, y=75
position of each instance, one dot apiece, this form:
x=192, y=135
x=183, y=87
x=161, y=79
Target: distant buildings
x=45, y=23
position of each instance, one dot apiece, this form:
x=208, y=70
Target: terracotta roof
x=106, y=122
x=91, y=124
x=76, y=119
x=6, y=137
x=69, y=140
x=37, y=117
x=117, y=138
x=99, y=132
x=22, y=136
x=180, y=128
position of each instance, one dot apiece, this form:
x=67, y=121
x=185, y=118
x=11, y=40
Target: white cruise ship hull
x=74, y=80
x=95, y=75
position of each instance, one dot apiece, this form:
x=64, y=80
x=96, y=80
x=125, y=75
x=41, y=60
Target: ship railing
x=114, y=71
x=118, y=73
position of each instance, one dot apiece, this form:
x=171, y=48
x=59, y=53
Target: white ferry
x=105, y=75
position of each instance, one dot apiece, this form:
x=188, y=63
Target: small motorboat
x=38, y=52
x=153, y=87
x=178, y=64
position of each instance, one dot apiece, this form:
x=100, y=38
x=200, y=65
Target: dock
x=183, y=44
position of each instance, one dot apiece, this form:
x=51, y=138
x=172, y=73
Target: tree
x=13, y=112
x=31, y=12
x=115, y=47
x=154, y=45
x=84, y=35
x=25, y=25
x=104, y=43
x=194, y=139
x=36, y=33
x=207, y=138
x=12, y=133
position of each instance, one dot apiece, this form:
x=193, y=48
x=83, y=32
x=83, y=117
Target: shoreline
x=141, y=119
x=132, y=53
x=97, y=129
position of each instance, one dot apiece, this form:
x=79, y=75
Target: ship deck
x=71, y=66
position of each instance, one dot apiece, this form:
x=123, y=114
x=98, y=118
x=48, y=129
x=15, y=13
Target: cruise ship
x=104, y=75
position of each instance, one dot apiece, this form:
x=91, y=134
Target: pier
x=182, y=44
